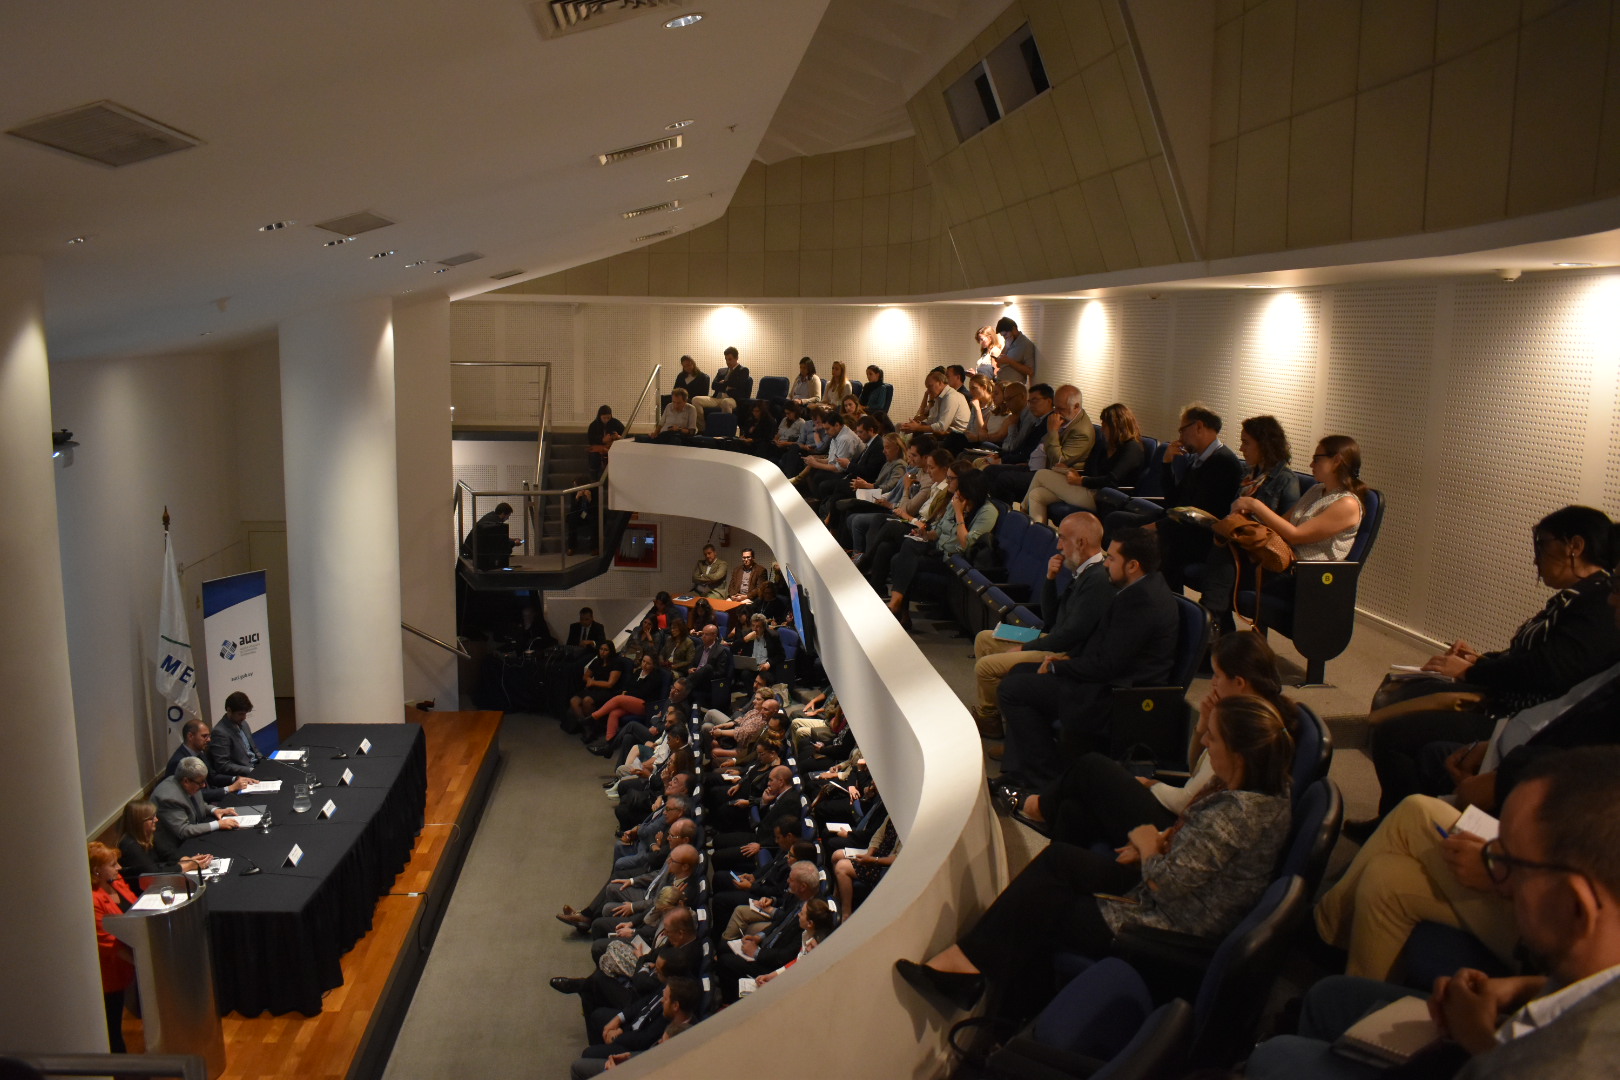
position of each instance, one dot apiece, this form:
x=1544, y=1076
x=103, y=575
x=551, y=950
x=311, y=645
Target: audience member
x=966, y=524
x=947, y=412
x=709, y=575
x=807, y=387
x=1268, y=477
x=837, y=387
x=1023, y=455
x=726, y=386
x=864, y=865
x=600, y=436
x=110, y=896
x=602, y=677
x=586, y=634
x=1070, y=617
x=873, y=392
x=1017, y=360
x=690, y=379
x=1556, y=867
x=711, y=670
x=678, y=650
x=884, y=542
x=1134, y=646
x=646, y=687
x=680, y=420
x=990, y=345
x=1209, y=482
x=1199, y=877
x=1079, y=488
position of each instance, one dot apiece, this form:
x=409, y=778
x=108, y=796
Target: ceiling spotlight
x=677, y=125
x=1570, y=264
x=446, y=270
x=77, y=240
x=684, y=20
x=205, y=333
x=683, y=176
x=341, y=240
x=275, y=226
x=62, y=444
x=380, y=255
x=418, y=262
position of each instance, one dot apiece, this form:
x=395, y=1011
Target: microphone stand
x=309, y=777
x=339, y=756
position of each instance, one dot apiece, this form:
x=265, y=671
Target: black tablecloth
x=278, y=936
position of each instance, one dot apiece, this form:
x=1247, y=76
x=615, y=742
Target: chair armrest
x=1171, y=963
x=1023, y=1058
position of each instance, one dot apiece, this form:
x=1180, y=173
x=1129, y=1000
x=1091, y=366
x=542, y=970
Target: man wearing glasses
x=1555, y=868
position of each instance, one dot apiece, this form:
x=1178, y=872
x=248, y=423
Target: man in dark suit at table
x=711, y=671
x=182, y=814
x=195, y=736
x=1059, y=712
x=231, y=749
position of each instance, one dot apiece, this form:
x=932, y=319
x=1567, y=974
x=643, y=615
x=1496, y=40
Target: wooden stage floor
x=351, y=1036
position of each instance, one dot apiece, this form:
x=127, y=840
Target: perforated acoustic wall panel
x=1277, y=363
x=618, y=354
x=1203, y=355
x=1143, y=360
x=1518, y=392
x=1378, y=375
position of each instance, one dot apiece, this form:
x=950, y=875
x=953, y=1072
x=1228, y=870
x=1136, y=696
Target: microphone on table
x=252, y=867
x=339, y=756
x=310, y=778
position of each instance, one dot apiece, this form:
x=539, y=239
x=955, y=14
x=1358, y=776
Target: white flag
x=175, y=672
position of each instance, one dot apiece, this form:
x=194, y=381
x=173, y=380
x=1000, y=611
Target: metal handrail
x=652, y=380
x=184, y=1066
x=463, y=490
x=446, y=646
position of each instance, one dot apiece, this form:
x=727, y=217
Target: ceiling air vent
x=628, y=152
x=656, y=208
x=354, y=224
x=504, y=276
x=464, y=257
x=106, y=133
x=558, y=17
x=654, y=235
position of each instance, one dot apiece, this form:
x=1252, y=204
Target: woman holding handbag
x=1263, y=446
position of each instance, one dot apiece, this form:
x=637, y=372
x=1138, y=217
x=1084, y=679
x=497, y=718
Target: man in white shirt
x=1557, y=860
x=949, y=412
x=680, y=419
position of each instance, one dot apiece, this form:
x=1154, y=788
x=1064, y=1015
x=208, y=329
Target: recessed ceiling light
x=1570, y=264
x=684, y=20
x=418, y=262
x=446, y=270
x=380, y=255
x=205, y=333
x=683, y=176
x=342, y=240
x=677, y=125
x=276, y=226
x=77, y=240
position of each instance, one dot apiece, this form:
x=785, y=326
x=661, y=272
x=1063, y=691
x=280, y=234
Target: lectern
x=173, y=968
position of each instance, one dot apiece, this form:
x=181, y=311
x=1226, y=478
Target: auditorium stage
x=352, y=1036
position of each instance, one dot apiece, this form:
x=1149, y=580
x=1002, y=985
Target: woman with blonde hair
x=836, y=386
x=137, y=837
x=1126, y=455
x=110, y=896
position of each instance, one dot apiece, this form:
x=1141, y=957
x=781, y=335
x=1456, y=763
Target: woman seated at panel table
x=110, y=896
x=1097, y=800
x=1126, y=455
x=1572, y=638
x=137, y=838
x=1270, y=478
x=1201, y=876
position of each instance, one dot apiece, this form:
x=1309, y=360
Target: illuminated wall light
x=1093, y=336
x=892, y=329
x=730, y=326
x=1600, y=314
x=1284, y=333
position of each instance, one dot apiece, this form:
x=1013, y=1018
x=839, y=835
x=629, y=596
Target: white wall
x=154, y=432
x=603, y=352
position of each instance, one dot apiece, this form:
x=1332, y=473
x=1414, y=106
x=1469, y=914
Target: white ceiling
x=454, y=119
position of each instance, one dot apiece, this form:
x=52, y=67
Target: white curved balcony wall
x=924, y=753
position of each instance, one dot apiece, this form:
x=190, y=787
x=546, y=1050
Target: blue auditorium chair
x=1146, y=483
x=1313, y=749
x=1155, y=718
x=882, y=397
x=720, y=425
x=1312, y=832
x=774, y=387
x=1315, y=606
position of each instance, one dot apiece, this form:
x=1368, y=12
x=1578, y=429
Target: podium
x=174, y=969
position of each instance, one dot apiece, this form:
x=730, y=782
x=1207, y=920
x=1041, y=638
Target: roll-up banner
x=236, y=636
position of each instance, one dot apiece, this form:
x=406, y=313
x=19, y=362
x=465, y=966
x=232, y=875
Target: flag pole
x=165, y=521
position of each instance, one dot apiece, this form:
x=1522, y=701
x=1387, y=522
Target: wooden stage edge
x=354, y=1034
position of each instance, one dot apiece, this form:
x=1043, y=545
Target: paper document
x=1476, y=822
x=1390, y=1036
x=154, y=901
x=265, y=787
x=851, y=853
x=868, y=494
x=838, y=828
x=746, y=986
x=289, y=755
x=218, y=868
x=248, y=821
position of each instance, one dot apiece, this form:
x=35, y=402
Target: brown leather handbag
x=1265, y=549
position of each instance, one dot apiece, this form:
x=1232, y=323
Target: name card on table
x=346, y=779
x=329, y=809
x=289, y=755
x=365, y=746
x=294, y=856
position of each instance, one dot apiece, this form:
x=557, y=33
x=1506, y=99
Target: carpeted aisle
x=483, y=1007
